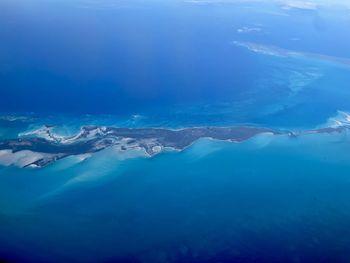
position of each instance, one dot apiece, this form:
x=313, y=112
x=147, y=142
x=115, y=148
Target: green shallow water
x=269, y=198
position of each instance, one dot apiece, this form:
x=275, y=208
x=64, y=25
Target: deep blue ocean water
x=174, y=64
x=129, y=57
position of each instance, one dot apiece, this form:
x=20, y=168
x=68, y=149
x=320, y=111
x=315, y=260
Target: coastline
x=41, y=147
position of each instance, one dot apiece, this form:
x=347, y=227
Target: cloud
x=284, y=4
x=298, y=4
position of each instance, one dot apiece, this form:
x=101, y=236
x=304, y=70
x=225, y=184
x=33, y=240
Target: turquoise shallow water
x=265, y=200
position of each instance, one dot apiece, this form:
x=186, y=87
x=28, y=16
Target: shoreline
x=42, y=147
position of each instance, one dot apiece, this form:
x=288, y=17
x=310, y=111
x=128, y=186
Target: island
x=43, y=146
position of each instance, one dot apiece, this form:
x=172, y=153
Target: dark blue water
x=130, y=57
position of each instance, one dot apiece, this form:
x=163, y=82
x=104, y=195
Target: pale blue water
x=268, y=199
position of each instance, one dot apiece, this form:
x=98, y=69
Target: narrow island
x=43, y=146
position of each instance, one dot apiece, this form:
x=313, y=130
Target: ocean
x=270, y=199
x=177, y=64
x=129, y=57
